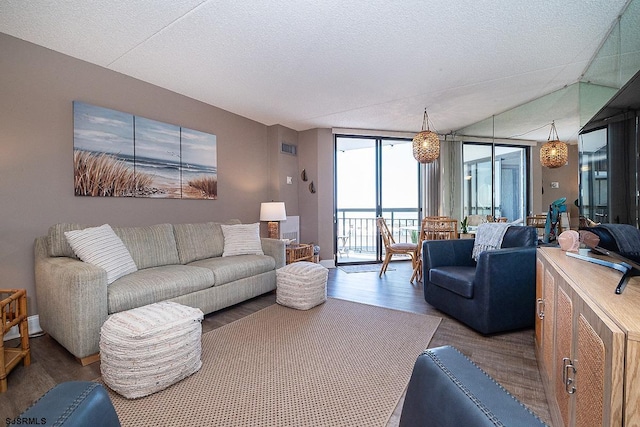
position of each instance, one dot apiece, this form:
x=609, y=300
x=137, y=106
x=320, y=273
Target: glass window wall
x=495, y=183
x=594, y=176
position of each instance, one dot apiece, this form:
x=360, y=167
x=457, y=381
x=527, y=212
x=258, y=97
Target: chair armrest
x=506, y=278
x=274, y=248
x=440, y=253
x=72, y=300
x=507, y=265
x=447, y=389
x=73, y=403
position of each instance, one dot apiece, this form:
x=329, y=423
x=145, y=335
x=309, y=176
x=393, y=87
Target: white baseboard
x=34, y=328
x=329, y=263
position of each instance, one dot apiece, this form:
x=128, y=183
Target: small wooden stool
x=13, y=307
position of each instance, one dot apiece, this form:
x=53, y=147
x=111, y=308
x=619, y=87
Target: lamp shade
x=426, y=146
x=554, y=153
x=272, y=211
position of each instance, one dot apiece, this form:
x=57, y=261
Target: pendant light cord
x=425, y=120
x=553, y=131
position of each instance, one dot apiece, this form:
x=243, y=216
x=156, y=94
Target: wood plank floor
x=509, y=357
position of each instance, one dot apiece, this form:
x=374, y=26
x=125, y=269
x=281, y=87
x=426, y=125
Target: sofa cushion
x=242, y=239
x=199, y=241
x=156, y=284
x=228, y=269
x=101, y=247
x=57, y=244
x=455, y=279
x=150, y=246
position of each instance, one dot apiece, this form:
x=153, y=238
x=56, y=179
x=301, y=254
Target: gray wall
x=37, y=87
x=281, y=166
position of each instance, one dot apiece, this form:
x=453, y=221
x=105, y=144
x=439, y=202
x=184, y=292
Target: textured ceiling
x=332, y=63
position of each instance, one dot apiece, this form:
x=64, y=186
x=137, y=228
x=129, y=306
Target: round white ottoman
x=146, y=349
x=301, y=285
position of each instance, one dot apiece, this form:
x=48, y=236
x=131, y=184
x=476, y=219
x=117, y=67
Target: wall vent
x=289, y=149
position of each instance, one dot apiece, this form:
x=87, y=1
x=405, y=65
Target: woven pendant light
x=426, y=144
x=554, y=153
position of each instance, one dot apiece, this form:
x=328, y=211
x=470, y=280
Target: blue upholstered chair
x=73, y=404
x=496, y=293
x=447, y=389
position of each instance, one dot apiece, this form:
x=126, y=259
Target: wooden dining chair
x=440, y=228
x=392, y=248
x=538, y=221
x=433, y=228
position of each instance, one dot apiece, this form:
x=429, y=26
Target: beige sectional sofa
x=176, y=262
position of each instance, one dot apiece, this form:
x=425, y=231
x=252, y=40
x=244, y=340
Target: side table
x=299, y=252
x=13, y=307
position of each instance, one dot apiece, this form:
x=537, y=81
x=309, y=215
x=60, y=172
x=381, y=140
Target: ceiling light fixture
x=426, y=144
x=554, y=153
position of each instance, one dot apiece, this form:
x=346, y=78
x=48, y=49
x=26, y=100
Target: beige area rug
x=338, y=364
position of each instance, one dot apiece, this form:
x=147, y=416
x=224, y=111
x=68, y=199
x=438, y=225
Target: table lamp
x=273, y=212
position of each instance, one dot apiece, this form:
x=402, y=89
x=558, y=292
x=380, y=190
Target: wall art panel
x=121, y=155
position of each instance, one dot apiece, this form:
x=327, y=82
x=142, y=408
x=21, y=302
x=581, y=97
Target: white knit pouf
x=301, y=285
x=146, y=349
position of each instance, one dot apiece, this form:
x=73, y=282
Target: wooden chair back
x=433, y=228
x=439, y=228
x=491, y=218
x=538, y=221
x=387, y=237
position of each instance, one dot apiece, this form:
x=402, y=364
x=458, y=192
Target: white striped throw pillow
x=242, y=239
x=100, y=246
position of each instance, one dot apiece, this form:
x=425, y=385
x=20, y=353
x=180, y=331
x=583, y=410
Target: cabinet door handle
x=540, y=308
x=568, y=366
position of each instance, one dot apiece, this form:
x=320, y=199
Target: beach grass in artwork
x=207, y=185
x=104, y=175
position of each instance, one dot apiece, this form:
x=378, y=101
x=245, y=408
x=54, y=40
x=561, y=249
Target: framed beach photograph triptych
x=118, y=154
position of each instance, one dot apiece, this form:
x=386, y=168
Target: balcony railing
x=358, y=232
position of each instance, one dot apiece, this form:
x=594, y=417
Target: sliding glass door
x=374, y=176
x=356, y=199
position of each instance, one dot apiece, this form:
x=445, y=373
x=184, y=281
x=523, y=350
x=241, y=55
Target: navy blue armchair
x=496, y=294
x=72, y=404
x=447, y=389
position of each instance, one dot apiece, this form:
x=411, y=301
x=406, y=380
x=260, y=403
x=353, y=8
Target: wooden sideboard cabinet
x=587, y=342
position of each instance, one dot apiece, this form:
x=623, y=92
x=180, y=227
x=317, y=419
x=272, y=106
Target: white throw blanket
x=488, y=237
